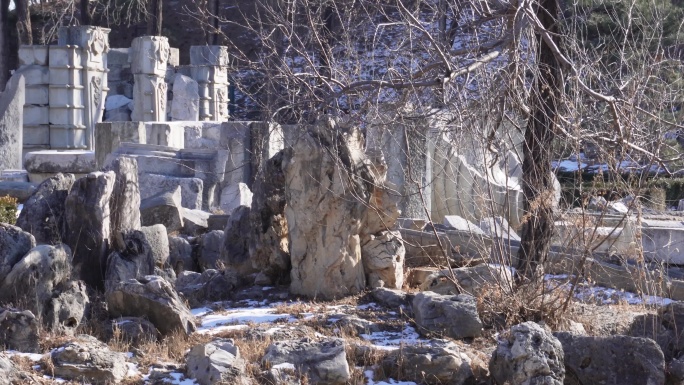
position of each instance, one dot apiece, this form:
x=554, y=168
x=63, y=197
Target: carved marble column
x=33, y=64
x=66, y=112
x=210, y=71
x=94, y=45
x=149, y=56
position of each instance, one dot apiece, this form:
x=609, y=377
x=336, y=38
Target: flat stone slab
x=20, y=190
x=13, y=176
x=56, y=161
x=662, y=223
x=191, y=188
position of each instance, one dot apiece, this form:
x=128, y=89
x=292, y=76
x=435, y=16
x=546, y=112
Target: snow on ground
x=585, y=292
x=369, y=375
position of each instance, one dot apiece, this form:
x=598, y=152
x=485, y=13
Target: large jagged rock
x=12, y=123
x=19, y=331
x=211, y=285
x=134, y=330
x=164, y=208
x=217, y=362
x=43, y=214
x=614, y=360
x=87, y=359
x=235, y=250
x=211, y=251
x=158, y=239
x=180, y=255
x=432, y=365
x=125, y=196
x=452, y=315
x=327, y=196
x=14, y=244
x=383, y=260
x=68, y=307
x=132, y=260
x=88, y=218
x=153, y=298
x=528, y=354
x=33, y=279
x=323, y=362
x=7, y=371
x=268, y=244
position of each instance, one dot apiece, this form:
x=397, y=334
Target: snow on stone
x=390, y=340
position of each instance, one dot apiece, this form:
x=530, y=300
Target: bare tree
x=154, y=21
x=24, y=22
x=4, y=43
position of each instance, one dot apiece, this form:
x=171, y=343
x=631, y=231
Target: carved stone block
x=209, y=55
x=149, y=55
x=93, y=41
x=33, y=54
x=149, y=99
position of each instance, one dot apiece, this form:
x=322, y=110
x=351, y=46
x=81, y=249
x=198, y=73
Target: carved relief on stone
x=98, y=43
x=161, y=95
x=96, y=84
x=221, y=96
x=163, y=52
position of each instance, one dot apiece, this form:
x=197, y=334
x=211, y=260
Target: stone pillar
x=149, y=56
x=66, y=112
x=94, y=45
x=210, y=71
x=407, y=147
x=33, y=64
x=11, y=116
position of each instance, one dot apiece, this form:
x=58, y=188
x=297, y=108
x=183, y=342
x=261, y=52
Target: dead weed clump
x=500, y=308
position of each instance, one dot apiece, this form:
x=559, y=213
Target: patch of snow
x=35, y=357
x=610, y=296
x=19, y=208
x=221, y=329
x=369, y=375
x=367, y=306
x=179, y=379
x=568, y=165
x=265, y=288
x=201, y=311
x=393, y=340
x=133, y=370
x=243, y=315
x=284, y=365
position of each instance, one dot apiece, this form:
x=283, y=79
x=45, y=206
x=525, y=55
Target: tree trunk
x=154, y=23
x=4, y=43
x=536, y=169
x=215, y=21
x=24, y=22
x=85, y=14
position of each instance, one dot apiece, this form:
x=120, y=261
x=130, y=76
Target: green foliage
x=8, y=210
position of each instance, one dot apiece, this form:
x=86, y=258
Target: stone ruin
x=196, y=170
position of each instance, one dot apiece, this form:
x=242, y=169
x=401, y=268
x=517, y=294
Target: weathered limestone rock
x=211, y=285
x=87, y=359
x=43, y=214
x=195, y=222
x=383, y=260
x=325, y=244
x=469, y=280
x=612, y=360
x=323, y=362
x=125, y=196
x=191, y=188
x=19, y=330
x=33, y=279
x=134, y=330
x=391, y=298
x=180, y=255
x=14, y=244
x=110, y=135
x=235, y=251
x=68, y=307
x=211, y=251
x=217, y=362
x=164, y=208
x=234, y=196
x=132, y=260
x=11, y=123
x=153, y=298
x=158, y=239
x=88, y=218
x=47, y=162
x=454, y=316
x=7, y=371
x=268, y=243
x=528, y=354
x=433, y=365
x=185, y=105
